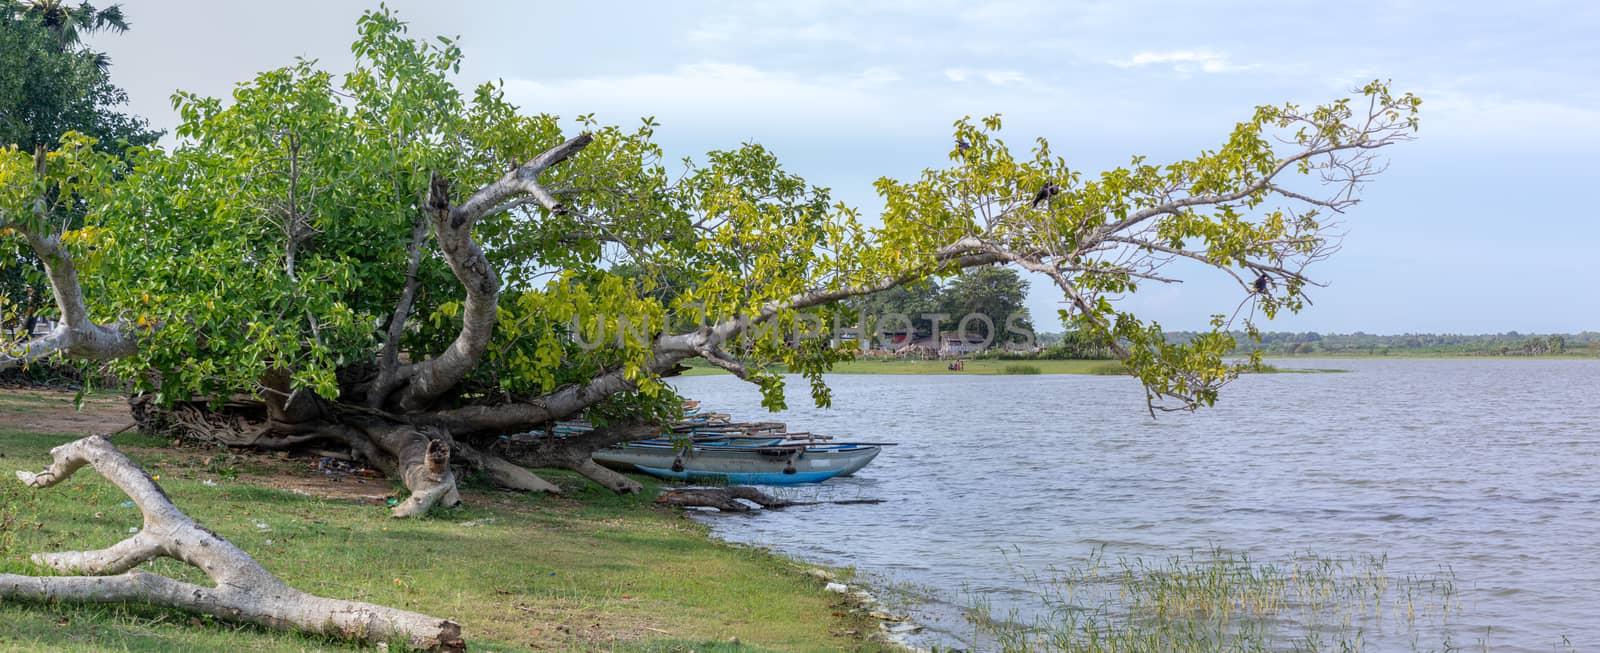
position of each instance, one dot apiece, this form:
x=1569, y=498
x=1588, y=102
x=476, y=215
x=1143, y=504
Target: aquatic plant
x=1109, y=369
x=1218, y=600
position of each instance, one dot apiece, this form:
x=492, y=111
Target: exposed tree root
x=726, y=499
x=574, y=452
x=606, y=478
x=244, y=590
x=426, y=458
x=505, y=473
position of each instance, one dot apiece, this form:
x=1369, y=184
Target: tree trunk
x=575, y=452
x=244, y=590
x=425, y=459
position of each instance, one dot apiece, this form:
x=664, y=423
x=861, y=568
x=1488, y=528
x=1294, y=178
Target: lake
x=1486, y=468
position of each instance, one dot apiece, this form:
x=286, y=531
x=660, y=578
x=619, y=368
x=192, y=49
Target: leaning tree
x=382, y=265
x=385, y=267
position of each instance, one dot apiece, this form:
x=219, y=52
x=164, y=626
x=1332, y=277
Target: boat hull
x=736, y=465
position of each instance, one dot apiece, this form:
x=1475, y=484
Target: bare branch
x=76, y=336
x=669, y=350
x=244, y=591
x=522, y=181
x=389, y=356
x=452, y=227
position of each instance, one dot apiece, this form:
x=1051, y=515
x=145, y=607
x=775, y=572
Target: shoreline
x=586, y=570
x=995, y=367
x=982, y=367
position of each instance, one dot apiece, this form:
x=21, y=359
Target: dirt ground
x=51, y=411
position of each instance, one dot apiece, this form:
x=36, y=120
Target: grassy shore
x=582, y=572
x=912, y=366
x=1452, y=355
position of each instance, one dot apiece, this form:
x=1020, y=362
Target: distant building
x=919, y=347
x=962, y=344
x=894, y=340
x=947, y=345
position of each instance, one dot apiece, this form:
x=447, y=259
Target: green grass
x=919, y=367
x=1109, y=369
x=973, y=367
x=587, y=571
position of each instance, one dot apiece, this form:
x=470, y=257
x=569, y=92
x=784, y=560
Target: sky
x=1482, y=225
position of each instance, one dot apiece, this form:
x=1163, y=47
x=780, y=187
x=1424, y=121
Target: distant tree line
x=1070, y=345
x=1510, y=343
x=996, y=292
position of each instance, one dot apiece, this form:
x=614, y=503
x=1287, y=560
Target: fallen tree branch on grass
x=244, y=590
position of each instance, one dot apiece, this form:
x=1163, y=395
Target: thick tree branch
x=76, y=336
x=670, y=350
x=573, y=452
x=522, y=181
x=389, y=356
x=244, y=590
x=434, y=377
x=452, y=228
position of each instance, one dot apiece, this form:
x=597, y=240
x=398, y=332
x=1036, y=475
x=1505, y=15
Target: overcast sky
x=1485, y=224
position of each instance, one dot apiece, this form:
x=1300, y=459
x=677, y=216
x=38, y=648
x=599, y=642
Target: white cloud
x=1466, y=119
x=1183, y=61
x=1003, y=77
x=996, y=77
x=877, y=76
x=717, y=95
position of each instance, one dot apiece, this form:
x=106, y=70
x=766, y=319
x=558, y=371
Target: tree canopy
x=51, y=84
x=999, y=294
x=388, y=263
x=68, y=23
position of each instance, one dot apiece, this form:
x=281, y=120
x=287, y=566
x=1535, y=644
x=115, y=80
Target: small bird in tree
x=962, y=146
x=1045, y=193
x=1262, y=282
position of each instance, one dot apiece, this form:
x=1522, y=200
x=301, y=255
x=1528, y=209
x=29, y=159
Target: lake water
x=1485, y=467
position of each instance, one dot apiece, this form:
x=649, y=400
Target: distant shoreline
x=981, y=367
x=1429, y=355
x=993, y=367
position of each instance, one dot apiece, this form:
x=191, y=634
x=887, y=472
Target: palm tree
x=69, y=23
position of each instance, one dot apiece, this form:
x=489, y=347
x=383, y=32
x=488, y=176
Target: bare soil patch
x=51, y=411
x=48, y=410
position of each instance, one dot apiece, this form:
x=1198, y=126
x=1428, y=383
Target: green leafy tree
x=49, y=86
x=68, y=23
x=898, y=309
x=998, y=294
x=1077, y=345
x=387, y=265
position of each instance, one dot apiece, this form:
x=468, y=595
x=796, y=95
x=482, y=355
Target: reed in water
x=1218, y=600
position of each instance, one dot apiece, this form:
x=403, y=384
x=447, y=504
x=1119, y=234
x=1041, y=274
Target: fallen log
x=244, y=591
x=726, y=499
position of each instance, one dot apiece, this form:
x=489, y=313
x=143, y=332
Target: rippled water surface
x=1487, y=467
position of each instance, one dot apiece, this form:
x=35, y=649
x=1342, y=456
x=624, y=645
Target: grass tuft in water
x=1109, y=369
x=1223, y=601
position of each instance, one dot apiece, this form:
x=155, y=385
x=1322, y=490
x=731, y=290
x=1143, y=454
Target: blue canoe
x=739, y=465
